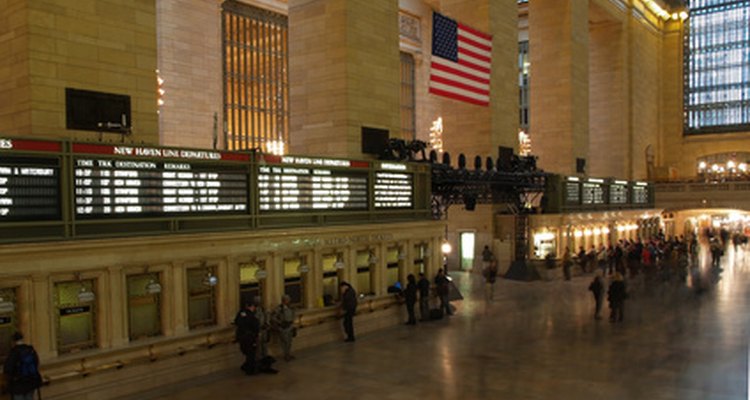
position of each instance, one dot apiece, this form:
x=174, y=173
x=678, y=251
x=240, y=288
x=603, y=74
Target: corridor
x=537, y=340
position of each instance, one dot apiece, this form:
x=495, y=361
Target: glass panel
x=293, y=281
x=391, y=275
x=408, y=102
x=76, y=328
x=523, y=84
x=144, y=308
x=201, y=298
x=363, y=280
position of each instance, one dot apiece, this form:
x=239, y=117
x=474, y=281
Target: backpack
x=26, y=371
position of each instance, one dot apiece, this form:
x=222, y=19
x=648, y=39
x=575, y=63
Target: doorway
x=467, y=240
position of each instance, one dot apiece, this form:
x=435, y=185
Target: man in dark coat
x=349, y=308
x=424, y=297
x=410, y=295
x=616, y=296
x=442, y=286
x=21, y=370
x=248, y=329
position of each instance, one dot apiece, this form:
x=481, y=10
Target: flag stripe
x=479, y=85
x=473, y=54
x=473, y=61
x=465, y=40
x=460, y=92
x=473, y=66
x=458, y=97
x=460, y=85
x=473, y=31
x=449, y=66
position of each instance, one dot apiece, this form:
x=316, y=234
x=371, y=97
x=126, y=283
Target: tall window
x=75, y=305
x=523, y=85
x=408, y=102
x=201, y=297
x=144, y=305
x=717, y=66
x=256, y=85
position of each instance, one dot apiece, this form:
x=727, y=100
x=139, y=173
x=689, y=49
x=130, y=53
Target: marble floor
x=537, y=340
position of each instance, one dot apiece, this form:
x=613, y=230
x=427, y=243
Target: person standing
x=283, y=321
x=490, y=276
x=487, y=257
x=349, y=308
x=265, y=328
x=443, y=289
x=247, y=331
x=424, y=297
x=21, y=370
x=616, y=296
x=597, y=289
x=567, y=263
x=410, y=295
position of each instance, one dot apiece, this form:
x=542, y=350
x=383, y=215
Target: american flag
x=461, y=60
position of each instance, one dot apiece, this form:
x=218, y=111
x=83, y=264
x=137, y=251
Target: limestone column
x=559, y=94
x=344, y=73
x=118, y=304
x=43, y=333
x=179, y=299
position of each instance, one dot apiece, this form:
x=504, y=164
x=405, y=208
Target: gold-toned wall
x=83, y=44
x=344, y=70
x=189, y=60
x=15, y=82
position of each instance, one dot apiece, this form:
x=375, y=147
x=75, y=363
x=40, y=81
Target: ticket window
x=75, y=306
x=545, y=243
x=392, y=267
x=331, y=279
x=8, y=320
x=420, y=252
x=144, y=305
x=251, y=286
x=294, y=285
x=201, y=297
x=364, y=273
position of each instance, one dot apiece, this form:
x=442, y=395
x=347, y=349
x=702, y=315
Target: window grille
x=523, y=85
x=717, y=66
x=408, y=102
x=256, y=85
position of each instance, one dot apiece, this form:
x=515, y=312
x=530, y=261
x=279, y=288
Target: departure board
x=592, y=193
x=572, y=192
x=303, y=184
x=29, y=184
x=147, y=185
x=640, y=194
x=618, y=193
x=394, y=188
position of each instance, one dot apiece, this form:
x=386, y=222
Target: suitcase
x=436, y=313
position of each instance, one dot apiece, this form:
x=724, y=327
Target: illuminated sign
x=394, y=190
x=119, y=187
x=301, y=188
x=6, y=144
x=640, y=194
x=572, y=192
x=592, y=193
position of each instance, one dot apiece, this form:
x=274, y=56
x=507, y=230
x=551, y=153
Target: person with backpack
x=21, y=370
x=348, y=308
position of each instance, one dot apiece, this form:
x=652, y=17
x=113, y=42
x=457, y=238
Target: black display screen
x=298, y=188
x=593, y=193
x=618, y=194
x=394, y=189
x=29, y=188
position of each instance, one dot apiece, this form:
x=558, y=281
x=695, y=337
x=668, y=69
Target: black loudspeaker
x=461, y=161
x=374, y=140
x=581, y=165
x=477, y=163
x=505, y=157
x=97, y=111
x=490, y=164
x=447, y=159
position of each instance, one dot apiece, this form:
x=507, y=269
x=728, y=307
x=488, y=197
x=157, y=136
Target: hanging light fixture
x=153, y=287
x=6, y=306
x=85, y=295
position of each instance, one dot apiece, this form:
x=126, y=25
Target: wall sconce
x=587, y=232
x=210, y=279
x=85, y=295
x=261, y=274
x=373, y=259
x=401, y=255
x=6, y=306
x=339, y=264
x=446, y=248
x=597, y=231
x=153, y=287
x=303, y=268
x=577, y=234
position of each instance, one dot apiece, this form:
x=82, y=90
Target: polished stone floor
x=535, y=341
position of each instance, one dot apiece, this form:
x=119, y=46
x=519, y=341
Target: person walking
x=567, y=263
x=487, y=257
x=21, y=370
x=424, y=297
x=616, y=296
x=597, y=289
x=349, y=308
x=442, y=286
x=283, y=322
x=265, y=328
x=247, y=331
x=410, y=295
